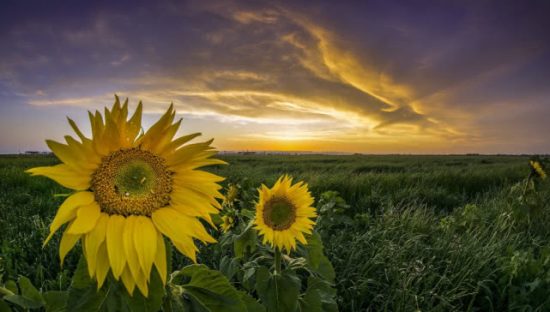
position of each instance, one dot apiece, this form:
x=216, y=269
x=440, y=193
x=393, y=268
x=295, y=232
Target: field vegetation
x=403, y=233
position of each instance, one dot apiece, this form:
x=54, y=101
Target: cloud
x=359, y=73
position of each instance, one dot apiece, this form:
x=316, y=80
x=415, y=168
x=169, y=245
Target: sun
x=284, y=213
x=131, y=189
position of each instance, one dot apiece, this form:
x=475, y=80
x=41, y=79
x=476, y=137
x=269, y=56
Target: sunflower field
x=133, y=219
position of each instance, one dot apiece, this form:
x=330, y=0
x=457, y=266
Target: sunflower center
x=132, y=182
x=279, y=213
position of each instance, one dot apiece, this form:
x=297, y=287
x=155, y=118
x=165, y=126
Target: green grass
x=430, y=233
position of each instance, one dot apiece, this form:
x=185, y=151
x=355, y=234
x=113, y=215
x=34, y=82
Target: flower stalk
x=277, y=261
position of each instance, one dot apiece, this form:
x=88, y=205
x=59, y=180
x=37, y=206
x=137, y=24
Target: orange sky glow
x=368, y=78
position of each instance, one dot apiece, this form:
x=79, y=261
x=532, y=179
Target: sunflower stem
x=277, y=261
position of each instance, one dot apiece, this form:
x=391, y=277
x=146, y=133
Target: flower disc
x=132, y=182
x=279, y=213
x=130, y=190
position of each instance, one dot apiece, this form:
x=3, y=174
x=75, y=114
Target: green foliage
x=278, y=292
x=404, y=233
x=27, y=296
x=252, y=266
x=24, y=295
x=197, y=288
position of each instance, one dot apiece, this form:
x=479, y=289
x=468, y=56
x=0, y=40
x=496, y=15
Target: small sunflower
x=227, y=224
x=130, y=190
x=538, y=169
x=284, y=213
x=231, y=196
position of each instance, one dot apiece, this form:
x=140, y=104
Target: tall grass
x=429, y=233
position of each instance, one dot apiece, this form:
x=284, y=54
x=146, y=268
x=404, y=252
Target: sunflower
x=227, y=223
x=537, y=168
x=284, y=213
x=231, y=196
x=130, y=190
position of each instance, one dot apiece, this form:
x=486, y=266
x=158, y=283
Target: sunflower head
x=132, y=189
x=227, y=223
x=231, y=195
x=538, y=168
x=284, y=213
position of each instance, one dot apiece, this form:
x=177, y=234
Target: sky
x=420, y=77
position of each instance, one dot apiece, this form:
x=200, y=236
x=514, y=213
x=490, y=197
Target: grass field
x=404, y=233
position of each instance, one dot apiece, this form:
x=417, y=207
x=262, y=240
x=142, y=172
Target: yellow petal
x=128, y=280
x=86, y=219
x=134, y=124
x=63, y=175
x=129, y=249
x=170, y=148
x=160, y=258
x=102, y=265
x=67, y=211
x=179, y=227
x=85, y=153
x=115, y=246
x=67, y=243
x=145, y=243
x=77, y=130
x=156, y=130
x=187, y=247
x=93, y=240
x=167, y=135
x=69, y=155
x=142, y=285
x=188, y=152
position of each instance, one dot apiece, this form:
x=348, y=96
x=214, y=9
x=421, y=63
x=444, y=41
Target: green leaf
x=311, y=302
x=317, y=261
x=314, y=250
x=4, y=307
x=319, y=296
x=326, y=270
x=56, y=301
x=250, y=214
x=29, y=291
x=83, y=293
x=247, y=240
x=29, y=298
x=252, y=305
x=279, y=293
x=23, y=302
x=5, y=292
x=12, y=286
x=203, y=289
x=229, y=267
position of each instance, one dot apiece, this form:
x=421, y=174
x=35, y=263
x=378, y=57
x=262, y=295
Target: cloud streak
x=334, y=74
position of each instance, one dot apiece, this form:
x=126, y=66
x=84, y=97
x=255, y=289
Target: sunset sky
x=322, y=76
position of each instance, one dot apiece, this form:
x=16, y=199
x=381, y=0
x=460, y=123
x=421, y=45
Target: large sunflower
x=132, y=188
x=284, y=212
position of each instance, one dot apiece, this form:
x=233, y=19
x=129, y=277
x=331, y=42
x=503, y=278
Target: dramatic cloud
x=411, y=76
